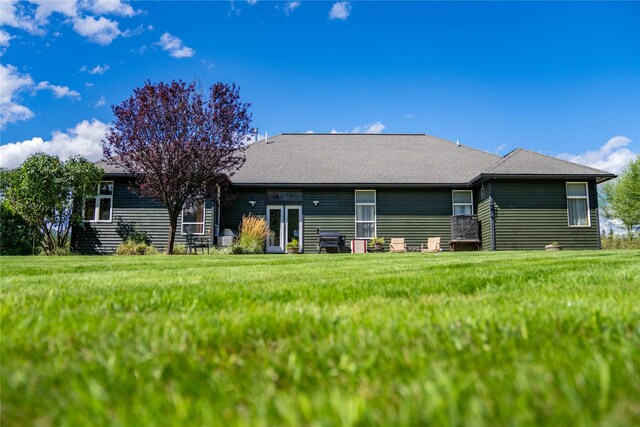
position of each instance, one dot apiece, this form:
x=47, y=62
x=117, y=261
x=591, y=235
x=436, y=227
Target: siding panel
x=147, y=214
x=532, y=214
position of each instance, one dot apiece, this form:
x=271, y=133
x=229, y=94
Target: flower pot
x=553, y=248
x=378, y=246
x=293, y=250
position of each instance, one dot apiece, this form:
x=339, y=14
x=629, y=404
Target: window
x=365, y=214
x=578, y=204
x=98, y=209
x=193, y=217
x=462, y=202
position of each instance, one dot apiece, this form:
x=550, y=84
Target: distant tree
x=47, y=194
x=621, y=197
x=177, y=143
x=16, y=236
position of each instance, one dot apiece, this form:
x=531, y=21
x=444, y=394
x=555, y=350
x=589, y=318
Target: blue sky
x=559, y=78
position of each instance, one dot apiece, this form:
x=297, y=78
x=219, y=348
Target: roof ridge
x=462, y=145
x=502, y=160
x=565, y=161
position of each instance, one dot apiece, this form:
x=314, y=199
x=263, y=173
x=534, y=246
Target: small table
x=470, y=242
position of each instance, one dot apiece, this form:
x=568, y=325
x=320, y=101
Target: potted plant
x=376, y=243
x=553, y=246
x=293, y=247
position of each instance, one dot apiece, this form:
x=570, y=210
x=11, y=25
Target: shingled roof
x=360, y=159
x=524, y=163
x=305, y=159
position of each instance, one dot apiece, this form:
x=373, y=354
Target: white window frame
x=204, y=221
x=586, y=187
x=96, y=209
x=375, y=213
x=453, y=204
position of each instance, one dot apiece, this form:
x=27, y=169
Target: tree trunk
x=173, y=224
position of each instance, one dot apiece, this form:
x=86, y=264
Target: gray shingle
x=361, y=159
x=525, y=162
x=386, y=159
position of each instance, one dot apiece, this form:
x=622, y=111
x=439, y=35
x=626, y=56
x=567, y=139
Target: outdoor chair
x=397, y=245
x=194, y=242
x=433, y=245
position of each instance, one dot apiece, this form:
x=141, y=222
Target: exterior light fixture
x=316, y=202
x=252, y=202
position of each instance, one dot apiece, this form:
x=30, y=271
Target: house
x=363, y=185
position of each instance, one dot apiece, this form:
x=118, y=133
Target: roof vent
x=266, y=138
x=457, y=143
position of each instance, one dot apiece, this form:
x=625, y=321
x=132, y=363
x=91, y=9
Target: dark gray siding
x=147, y=214
x=233, y=212
x=414, y=214
x=335, y=211
x=532, y=214
x=484, y=217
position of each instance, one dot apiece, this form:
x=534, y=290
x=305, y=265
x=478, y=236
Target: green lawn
x=380, y=339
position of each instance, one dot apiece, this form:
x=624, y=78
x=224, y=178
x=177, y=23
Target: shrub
x=253, y=233
x=128, y=230
x=60, y=251
x=179, y=249
x=617, y=241
x=248, y=248
x=130, y=247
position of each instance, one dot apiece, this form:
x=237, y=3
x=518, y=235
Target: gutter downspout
x=595, y=185
x=216, y=228
x=492, y=211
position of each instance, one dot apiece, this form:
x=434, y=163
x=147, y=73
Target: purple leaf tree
x=178, y=144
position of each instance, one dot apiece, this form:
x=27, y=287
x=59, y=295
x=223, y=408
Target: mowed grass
x=470, y=339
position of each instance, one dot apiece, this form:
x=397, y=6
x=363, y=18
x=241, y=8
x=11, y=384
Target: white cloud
x=207, y=64
x=46, y=8
x=100, y=102
x=408, y=116
x=175, y=47
x=5, y=38
x=252, y=2
x=79, y=13
x=11, y=84
x=376, y=127
x=340, y=10
x=290, y=6
x=140, y=51
x=309, y=131
x=85, y=139
x=501, y=147
x=101, y=31
x=613, y=156
x=112, y=7
x=15, y=15
x=58, y=91
x=98, y=69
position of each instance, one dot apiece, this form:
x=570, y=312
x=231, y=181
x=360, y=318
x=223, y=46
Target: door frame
x=300, y=224
x=275, y=249
x=284, y=229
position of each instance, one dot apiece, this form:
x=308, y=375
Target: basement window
x=578, y=204
x=462, y=202
x=99, y=209
x=365, y=214
x=193, y=217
